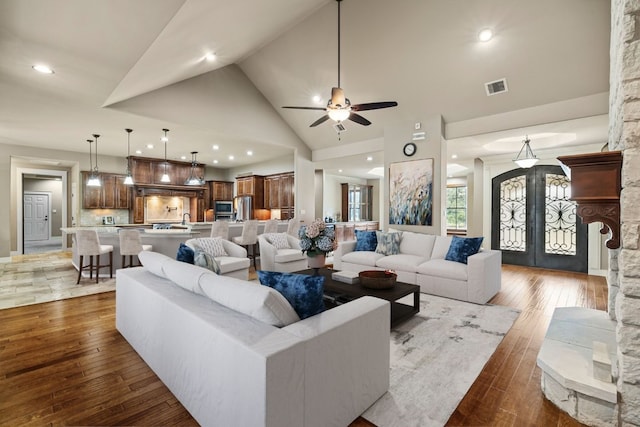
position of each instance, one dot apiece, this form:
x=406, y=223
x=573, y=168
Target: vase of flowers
x=316, y=240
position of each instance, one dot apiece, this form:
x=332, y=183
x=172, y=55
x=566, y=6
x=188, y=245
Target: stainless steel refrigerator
x=244, y=207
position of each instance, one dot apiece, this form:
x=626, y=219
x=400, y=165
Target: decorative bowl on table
x=377, y=279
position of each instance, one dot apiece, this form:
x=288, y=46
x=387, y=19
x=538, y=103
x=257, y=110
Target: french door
x=533, y=221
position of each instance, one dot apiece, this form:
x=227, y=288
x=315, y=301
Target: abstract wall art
x=411, y=192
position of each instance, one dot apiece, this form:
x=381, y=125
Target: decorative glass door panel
x=513, y=214
x=536, y=222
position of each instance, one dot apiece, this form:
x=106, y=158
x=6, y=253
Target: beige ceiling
x=139, y=64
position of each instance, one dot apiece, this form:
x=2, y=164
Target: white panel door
x=36, y=217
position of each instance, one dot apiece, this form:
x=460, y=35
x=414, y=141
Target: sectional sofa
x=235, y=353
x=421, y=261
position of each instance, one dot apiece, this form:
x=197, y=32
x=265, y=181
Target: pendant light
x=165, y=139
x=93, y=181
x=193, y=179
x=129, y=179
x=528, y=159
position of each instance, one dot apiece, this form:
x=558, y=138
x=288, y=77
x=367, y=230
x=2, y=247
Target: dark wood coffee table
x=337, y=293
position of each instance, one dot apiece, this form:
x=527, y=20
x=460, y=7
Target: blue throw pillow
x=366, y=240
x=185, y=254
x=304, y=292
x=463, y=247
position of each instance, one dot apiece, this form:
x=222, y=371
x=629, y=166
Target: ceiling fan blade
x=320, y=120
x=359, y=119
x=308, y=108
x=373, y=106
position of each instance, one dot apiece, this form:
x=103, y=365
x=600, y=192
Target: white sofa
x=201, y=334
x=421, y=262
x=236, y=264
x=285, y=260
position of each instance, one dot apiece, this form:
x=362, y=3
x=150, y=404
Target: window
x=457, y=208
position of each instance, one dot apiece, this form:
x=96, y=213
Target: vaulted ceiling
x=141, y=64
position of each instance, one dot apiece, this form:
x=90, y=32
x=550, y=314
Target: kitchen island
x=165, y=242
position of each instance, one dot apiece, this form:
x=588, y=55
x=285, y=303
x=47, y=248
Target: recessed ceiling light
x=454, y=156
x=231, y=157
x=215, y=162
x=215, y=147
x=138, y=151
x=369, y=158
x=149, y=146
x=485, y=35
x=183, y=157
x=42, y=69
x=340, y=170
x=210, y=57
x=317, y=99
x=249, y=153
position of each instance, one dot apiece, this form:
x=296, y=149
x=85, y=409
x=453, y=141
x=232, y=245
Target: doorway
x=38, y=181
x=536, y=224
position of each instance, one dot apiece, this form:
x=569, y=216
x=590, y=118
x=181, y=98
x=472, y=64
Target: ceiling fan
x=339, y=107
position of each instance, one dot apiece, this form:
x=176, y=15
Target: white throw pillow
x=260, y=302
x=278, y=240
x=153, y=262
x=211, y=245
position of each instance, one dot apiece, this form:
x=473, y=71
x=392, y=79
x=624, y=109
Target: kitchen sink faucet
x=184, y=222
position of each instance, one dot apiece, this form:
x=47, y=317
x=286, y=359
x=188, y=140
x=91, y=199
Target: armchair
x=284, y=260
x=235, y=264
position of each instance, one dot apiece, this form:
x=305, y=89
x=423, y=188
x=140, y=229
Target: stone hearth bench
x=566, y=359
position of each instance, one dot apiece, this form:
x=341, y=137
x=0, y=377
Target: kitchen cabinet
x=279, y=193
x=112, y=193
x=149, y=171
x=252, y=186
x=221, y=191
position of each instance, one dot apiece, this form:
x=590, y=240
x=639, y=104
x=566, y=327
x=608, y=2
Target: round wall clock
x=409, y=149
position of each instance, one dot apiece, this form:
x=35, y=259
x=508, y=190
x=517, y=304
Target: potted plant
x=316, y=240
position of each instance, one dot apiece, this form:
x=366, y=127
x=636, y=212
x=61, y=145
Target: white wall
x=432, y=147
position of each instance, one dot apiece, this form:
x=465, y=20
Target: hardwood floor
x=64, y=363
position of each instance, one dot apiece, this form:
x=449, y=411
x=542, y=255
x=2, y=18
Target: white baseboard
x=595, y=272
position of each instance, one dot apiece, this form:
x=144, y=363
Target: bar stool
x=131, y=245
x=220, y=229
x=293, y=227
x=249, y=237
x=271, y=226
x=88, y=244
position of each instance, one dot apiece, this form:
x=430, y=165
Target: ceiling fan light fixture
x=526, y=159
x=338, y=115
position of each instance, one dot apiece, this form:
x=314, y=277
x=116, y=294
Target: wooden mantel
x=595, y=187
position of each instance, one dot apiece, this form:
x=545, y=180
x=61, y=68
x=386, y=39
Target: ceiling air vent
x=339, y=127
x=496, y=87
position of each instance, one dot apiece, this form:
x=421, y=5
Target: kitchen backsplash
x=89, y=217
x=165, y=209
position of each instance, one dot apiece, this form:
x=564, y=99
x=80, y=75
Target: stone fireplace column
x=624, y=135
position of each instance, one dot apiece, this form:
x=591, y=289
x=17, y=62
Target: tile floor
x=44, y=277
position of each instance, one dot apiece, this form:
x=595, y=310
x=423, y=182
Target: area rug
x=435, y=357
x=38, y=278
